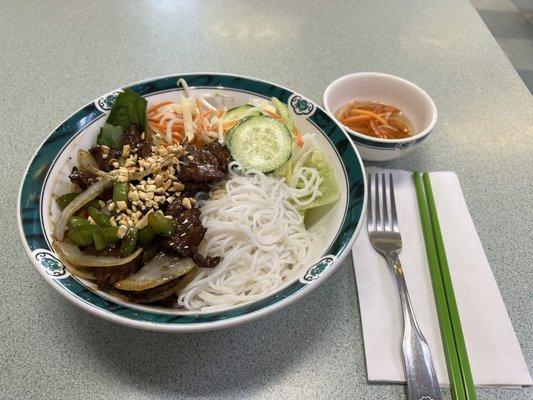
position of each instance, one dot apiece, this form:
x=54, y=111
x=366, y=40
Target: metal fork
x=385, y=237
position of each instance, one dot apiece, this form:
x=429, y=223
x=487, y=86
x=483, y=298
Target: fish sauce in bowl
x=375, y=119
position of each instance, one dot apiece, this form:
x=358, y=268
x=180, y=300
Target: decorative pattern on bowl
x=105, y=103
x=301, y=106
x=318, y=268
x=50, y=263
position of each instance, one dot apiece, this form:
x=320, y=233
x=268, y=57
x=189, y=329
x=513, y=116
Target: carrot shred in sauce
x=375, y=119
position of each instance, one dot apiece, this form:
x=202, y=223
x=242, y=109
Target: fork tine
x=379, y=221
x=369, y=214
x=394, y=219
x=386, y=221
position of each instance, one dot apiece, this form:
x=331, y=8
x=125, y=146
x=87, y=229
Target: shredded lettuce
x=283, y=111
x=302, y=163
x=328, y=188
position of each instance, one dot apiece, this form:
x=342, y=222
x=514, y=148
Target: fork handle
x=422, y=383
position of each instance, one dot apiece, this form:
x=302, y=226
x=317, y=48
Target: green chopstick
x=460, y=346
x=446, y=330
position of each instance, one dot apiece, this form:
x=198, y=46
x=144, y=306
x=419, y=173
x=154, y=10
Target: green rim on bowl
x=30, y=209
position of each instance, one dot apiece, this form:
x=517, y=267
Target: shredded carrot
x=374, y=115
x=195, y=139
x=161, y=116
x=298, y=137
x=199, y=106
x=272, y=114
x=207, y=113
x=201, y=123
x=161, y=127
x=227, y=125
x=168, y=118
x=159, y=104
x=356, y=118
x=376, y=130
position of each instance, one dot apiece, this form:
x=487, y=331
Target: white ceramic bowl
x=46, y=178
x=414, y=102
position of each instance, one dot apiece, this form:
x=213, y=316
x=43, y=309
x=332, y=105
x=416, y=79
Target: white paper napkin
x=493, y=350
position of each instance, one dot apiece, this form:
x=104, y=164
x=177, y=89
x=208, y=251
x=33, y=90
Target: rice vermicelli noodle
x=256, y=229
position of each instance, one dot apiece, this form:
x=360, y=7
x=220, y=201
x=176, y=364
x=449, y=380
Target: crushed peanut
x=150, y=193
x=133, y=195
x=122, y=231
x=142, y=223
x=186, y=203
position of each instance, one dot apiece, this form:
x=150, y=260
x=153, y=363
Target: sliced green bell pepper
x=146, y=235
x=101, y=218
x=80, y=235
x=104, y=236
x=65, y=200
x=120, y=191
x=129, y=242
x=161, y=225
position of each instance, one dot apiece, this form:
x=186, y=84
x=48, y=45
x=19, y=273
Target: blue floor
x=511, y=24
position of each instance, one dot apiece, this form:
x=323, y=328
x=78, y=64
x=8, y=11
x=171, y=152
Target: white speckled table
x=57, y=56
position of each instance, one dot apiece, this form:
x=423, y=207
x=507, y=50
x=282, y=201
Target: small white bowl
x=414, y=102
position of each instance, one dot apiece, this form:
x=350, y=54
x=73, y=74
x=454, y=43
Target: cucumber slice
x=240, y=112
x=261, y=143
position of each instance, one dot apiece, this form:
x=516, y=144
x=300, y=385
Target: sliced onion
x=82, y=272
x=78, y=202
x=159, y=293
x=73, y=255
x=187, y=278
x=160, y=270
x=86, y=162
